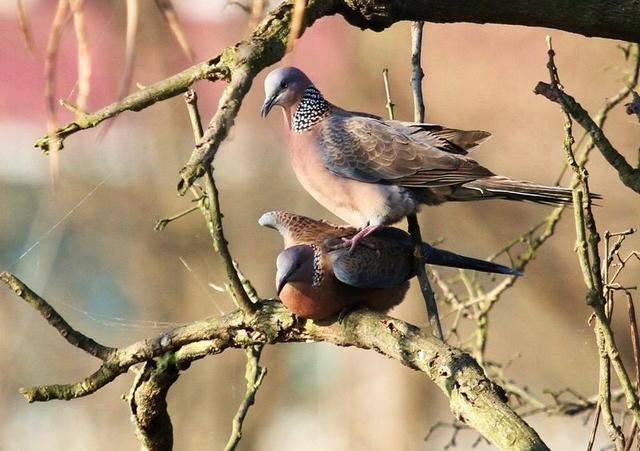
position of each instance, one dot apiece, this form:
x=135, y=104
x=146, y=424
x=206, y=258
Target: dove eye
x=284, y=85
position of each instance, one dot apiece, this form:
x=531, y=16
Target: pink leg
x=363, y=233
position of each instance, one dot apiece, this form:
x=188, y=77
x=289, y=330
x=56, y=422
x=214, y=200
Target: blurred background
x=87, y=244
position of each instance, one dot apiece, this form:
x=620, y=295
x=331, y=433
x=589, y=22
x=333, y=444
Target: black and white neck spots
x=318, y=274
x=311, y=110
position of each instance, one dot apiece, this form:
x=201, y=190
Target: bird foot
x=356, y=239
x=347, y=311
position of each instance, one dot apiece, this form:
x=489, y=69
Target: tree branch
x=148, y=403
x=474, y=399
x=254, y=374
x=239, y=63
x=629, y=175
x=614, y=19
x=412, y=220
x=213, y=217
x=74, y=337
x=587, y=240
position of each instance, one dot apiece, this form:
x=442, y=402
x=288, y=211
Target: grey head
x=295, y=264
x=284, y=87
x=271, y=220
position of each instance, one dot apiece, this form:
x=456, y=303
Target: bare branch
x=629, y=175
x=170, y=15
x=148, y=403
x=74, y=337
x=25, y=28
x=474, y=399
x=412, y=220
x=213, y=217
x=587, y=240
x=416, y=71
x=254, y=374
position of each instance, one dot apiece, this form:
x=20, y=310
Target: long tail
x=505, y=188
x=434, y=256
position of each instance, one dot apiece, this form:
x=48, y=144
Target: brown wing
x=450, y=140
x=447, y=139
x=382, y=260
x=298, y=229
x=371, y=150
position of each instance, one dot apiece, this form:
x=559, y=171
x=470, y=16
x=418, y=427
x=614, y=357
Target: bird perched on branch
x=372, y=172
x=317, y=277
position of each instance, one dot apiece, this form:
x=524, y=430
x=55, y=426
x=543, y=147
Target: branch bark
x=473, y=398
x=616, y=19
x=148, y=403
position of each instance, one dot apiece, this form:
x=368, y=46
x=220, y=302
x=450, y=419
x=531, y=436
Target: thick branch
x=267, y=45
x=148, y=404
x=474, y=399
x=617, y=19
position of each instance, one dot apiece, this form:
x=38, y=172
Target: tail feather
x=505, y=188
x=440, y=257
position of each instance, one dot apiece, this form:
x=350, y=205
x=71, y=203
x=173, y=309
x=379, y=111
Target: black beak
x=282, y=280
x=267, y=105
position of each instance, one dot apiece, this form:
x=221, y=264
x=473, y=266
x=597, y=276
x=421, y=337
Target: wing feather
x=372, y=150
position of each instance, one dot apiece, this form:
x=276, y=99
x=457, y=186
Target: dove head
x=284, y=223
x=284, y=87
x=273, y=220
x=295, y=264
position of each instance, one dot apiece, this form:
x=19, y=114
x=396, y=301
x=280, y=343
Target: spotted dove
x=372, y=172
x=317, y=278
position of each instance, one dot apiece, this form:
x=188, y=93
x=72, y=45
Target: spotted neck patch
x=318, y=273
x=311, y=110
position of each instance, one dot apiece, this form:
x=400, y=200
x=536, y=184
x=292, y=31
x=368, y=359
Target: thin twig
x=84, y=54
x=587, y=240
x=414, y=230
x=214, y=222
x=213, y=217
x=254, y=374
x=615, y=434
x=635, y=341
x=594, y=426
x=170, y=15
x=412, y=220
x=50, y=65
x=297, y=22
x=389, y=105
x=629, y=175
x=25, y=28
x=162, y=223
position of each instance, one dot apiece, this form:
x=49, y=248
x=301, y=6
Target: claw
x=352, y=242
x=342, y=315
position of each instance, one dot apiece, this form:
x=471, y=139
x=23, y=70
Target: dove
x=316, y=277
x=372, y=172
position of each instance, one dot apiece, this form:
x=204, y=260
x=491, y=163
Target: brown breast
x=307, y=301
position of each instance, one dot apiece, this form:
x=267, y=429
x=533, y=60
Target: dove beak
x=282, y=280
x=267, y=105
